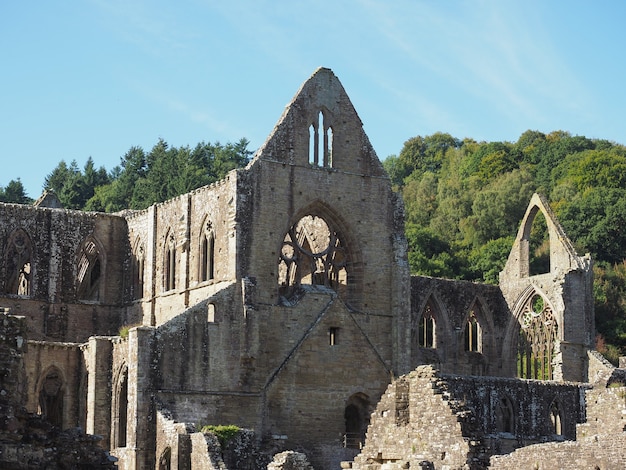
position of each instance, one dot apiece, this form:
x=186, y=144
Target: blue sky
x=96, y=77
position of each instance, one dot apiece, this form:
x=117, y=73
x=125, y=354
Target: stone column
x=98, y=359
x=141, y=418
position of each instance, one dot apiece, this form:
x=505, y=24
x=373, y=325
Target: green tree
x=14, y=193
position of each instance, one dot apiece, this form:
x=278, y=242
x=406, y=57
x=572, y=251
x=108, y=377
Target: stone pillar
x=98, y=359
x=141, y=418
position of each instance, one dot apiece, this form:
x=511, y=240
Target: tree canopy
x=464, y=201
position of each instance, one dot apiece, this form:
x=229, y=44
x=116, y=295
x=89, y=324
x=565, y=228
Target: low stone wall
x=605, y=453
x=446, y=421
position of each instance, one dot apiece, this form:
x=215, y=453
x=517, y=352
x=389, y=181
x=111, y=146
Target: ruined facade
x=280, y=300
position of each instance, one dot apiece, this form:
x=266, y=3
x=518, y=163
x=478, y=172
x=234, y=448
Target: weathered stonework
x=279, y=299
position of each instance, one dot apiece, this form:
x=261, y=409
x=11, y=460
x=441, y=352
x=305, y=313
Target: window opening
x=426, y=327
x=356, y=418
x=472, y=333
x=320, y=148
x=539, y=246
x=51, y=398
x=332, y=335
x=165, y=461
x=138, y=274
x=211, y=313
x=121, y=420
x=170, y=263
x=505, y=416
x=536, y=341
x=555, y=419
x=18, y=263
x=312, y=253
x=89, y=272
x=207, y=255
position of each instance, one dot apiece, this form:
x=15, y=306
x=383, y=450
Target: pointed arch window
x=120, y=408
x=51, y=391
x=90, y=270
x=312, y=253
x=426, y=337
x=321, y=142
x=139, y=259
x=505, y=416
x=207, y=253
x=19, y=264
x=356, y=418
x=169, y=274
x=473, y=331
x=556, y=418
x=536, y=341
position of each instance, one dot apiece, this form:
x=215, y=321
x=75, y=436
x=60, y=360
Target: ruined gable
x=321, y=128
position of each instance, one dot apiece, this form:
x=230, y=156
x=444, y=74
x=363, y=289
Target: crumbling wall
x=55, y=238
x=451, y=303
x=458, y=421
x=27, y=441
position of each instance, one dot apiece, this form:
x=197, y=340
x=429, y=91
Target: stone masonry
x=279, y=300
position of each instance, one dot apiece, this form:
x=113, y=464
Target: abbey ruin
x=280, y=300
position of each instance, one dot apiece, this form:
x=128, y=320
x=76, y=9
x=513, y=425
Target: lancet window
x=473, y=333
x=321, y=142
x=51, y=397
x=120, y=409
x=19, y=264
x=505, y=416
x=426, y=328
x=556, y=418
x=312, y=253
x=537, y=338
x=139, y=259
x=207, y=253
x=90, y=269
x=169, y=275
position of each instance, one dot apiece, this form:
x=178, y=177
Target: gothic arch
x=356, y=418
x=119, y=407
x=206, y=251
x=138, y=269
x=476, y=328
x=169, y=261
x=556, y=418
x=505, y=415
x=321, y=135
x=535, y=336
x=318, y=249
x=19, y=264
x=423, y=350
x=90, y=270
x=51, y=395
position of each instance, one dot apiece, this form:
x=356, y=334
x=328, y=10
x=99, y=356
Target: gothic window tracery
x=426, y=328
x=312, y=253
x=537, y=337
x=18, y=264
x=89, y=272
x=556, y=418
x=473, y=331
x=321, y=142
x=207, y=253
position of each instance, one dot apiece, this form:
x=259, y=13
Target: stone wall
x=451, y=303
x=27, y=441
x=457, y=421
